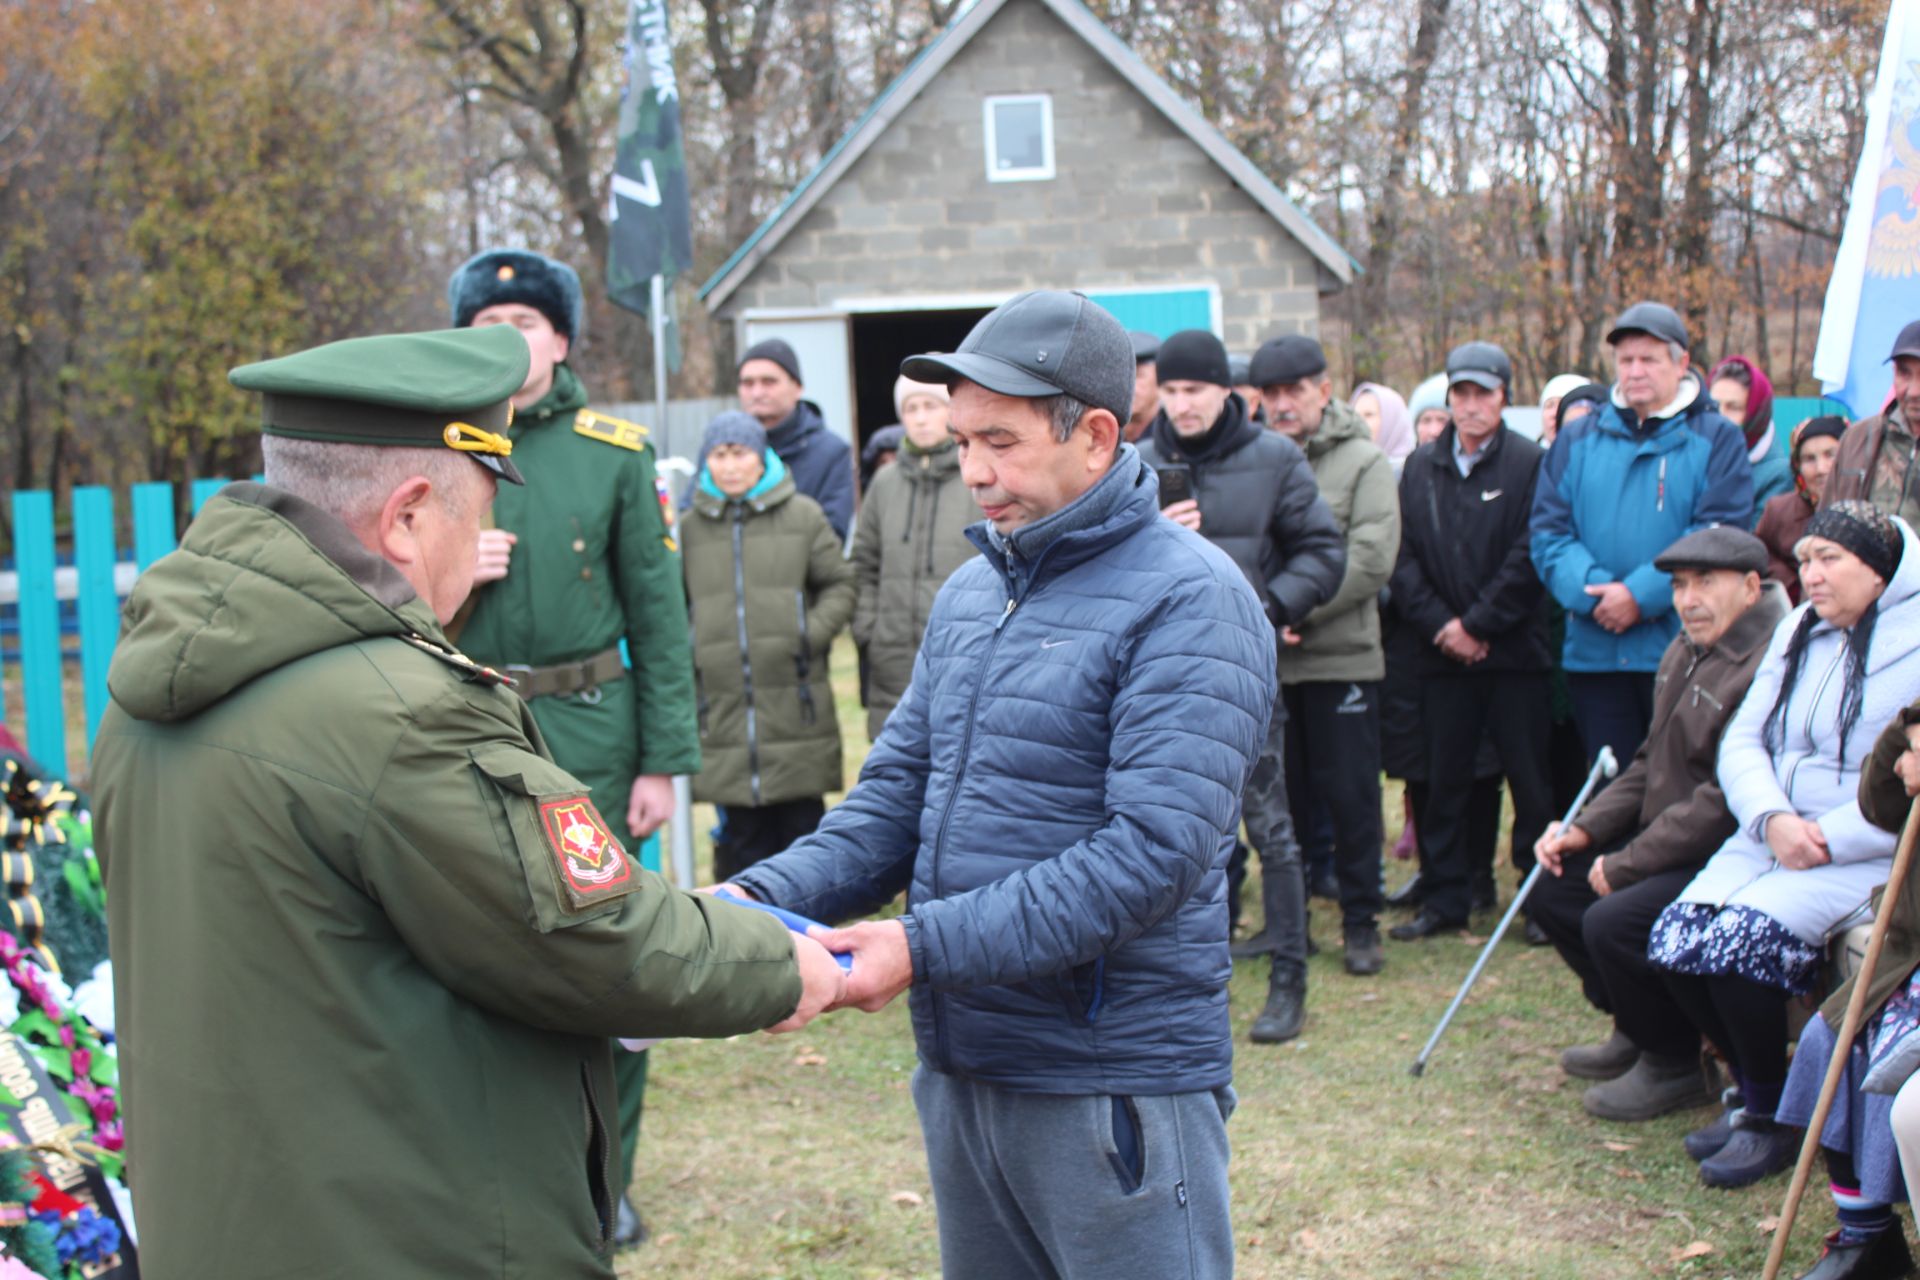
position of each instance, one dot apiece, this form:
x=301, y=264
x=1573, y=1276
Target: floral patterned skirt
x=1733, y=941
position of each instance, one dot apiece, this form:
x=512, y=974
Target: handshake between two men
x=863, y=966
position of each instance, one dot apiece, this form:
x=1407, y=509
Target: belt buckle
x=518, y=672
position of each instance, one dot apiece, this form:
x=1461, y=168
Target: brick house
x=1027, y=147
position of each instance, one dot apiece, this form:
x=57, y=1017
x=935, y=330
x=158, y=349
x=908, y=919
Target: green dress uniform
x=593, y=565
x=369, y=939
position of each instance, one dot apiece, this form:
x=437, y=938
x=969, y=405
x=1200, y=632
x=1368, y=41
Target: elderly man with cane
x=1628, y=855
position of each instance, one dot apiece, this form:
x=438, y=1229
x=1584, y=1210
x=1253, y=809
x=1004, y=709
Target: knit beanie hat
x=1863, y=529
x=1194, y=355
x=776, y=350
x=1431, y=394
x=734, y=427
x=906, y=386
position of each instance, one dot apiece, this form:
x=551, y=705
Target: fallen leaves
x=810, y=1060
x=1768, y=1225
x=1698, y=1249
x=907, y=1199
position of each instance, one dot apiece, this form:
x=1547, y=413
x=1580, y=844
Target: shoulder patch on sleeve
x=613, y=431
x=666, y=510
x=592, y=863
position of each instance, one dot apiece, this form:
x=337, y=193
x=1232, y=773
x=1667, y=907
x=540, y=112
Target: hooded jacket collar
x=1338, y=423
x=261, y=580
x=1232, y=430
x=924, y=466
x=1119, y=503
x=789, y=437
x=1689, y=399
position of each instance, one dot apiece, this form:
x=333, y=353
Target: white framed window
x=1020, y=137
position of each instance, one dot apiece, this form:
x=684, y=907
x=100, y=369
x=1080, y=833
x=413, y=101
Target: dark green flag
x=649, y=219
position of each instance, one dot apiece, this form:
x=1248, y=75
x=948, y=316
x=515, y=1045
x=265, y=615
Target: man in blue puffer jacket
x=1057, y=791
x=1618, y=487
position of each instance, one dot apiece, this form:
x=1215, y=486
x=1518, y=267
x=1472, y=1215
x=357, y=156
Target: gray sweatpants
x=1043, y=1186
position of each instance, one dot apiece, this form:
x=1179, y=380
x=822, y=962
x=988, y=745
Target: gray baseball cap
x=1043, y=343
x=1481, y=363
x=1654, y=319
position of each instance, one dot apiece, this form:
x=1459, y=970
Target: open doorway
x=881, y=340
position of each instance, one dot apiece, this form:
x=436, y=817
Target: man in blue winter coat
x=1619, y=486
x=1057, y=792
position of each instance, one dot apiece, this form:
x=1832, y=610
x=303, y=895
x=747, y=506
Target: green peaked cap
x=452, y=387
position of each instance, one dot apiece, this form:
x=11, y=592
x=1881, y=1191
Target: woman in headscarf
x=1816, y=443
x=1574, y=404
x=1748, y=933
x=1745, y=397
x=1385, y=414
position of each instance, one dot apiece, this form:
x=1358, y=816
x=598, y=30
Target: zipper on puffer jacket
x=946, y=814
x=746, y=659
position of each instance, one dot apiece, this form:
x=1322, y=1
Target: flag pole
x=680, y=835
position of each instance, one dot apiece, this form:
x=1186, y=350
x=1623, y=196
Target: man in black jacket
x=1465, y=581
x=1254, y=497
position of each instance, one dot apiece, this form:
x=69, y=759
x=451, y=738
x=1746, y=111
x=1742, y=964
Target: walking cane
x=1605, y=766
x=1843, y=1043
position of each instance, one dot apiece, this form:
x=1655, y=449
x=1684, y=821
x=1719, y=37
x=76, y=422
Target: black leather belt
x=567, y=677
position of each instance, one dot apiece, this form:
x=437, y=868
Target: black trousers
x=1604, y=941
x=749, y=833
x=1511, y=709
x=1613, y=709
x=1333, y=753
x=1747, y=1022
x=1483, y=825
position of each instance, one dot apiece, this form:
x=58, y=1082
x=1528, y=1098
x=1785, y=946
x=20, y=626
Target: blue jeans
x=1043, y=1186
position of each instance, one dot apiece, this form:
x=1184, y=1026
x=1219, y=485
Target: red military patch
x=592, y=863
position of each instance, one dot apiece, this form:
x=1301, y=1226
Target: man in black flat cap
x=1059, y=789
x=820, y=462
x=1876, y=457
x=1636, y=845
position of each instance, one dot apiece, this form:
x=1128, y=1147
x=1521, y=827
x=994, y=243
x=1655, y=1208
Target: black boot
x=1267, y=941
x=1286, y=1011
x=1759, y=1147
x=1364, y=956
x=1884, y=1257
x=1704, y=1142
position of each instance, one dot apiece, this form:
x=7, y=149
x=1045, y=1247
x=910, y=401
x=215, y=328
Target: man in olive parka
x=577, y=561
x=370, y=940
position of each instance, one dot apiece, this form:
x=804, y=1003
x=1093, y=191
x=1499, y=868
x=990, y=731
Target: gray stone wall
x=1133, y=202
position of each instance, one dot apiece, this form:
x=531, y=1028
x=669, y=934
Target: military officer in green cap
x=370, y=940
x=577, y=561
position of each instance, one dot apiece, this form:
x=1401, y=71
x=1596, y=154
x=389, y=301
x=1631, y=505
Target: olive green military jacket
x=770, y=589
x=1340, y=640
x=911, y=536
x=593, y=565
x=369, y=941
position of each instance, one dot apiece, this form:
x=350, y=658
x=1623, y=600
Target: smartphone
x=1176, y=483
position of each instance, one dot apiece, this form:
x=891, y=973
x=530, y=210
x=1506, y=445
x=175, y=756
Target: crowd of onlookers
x=1467, y=608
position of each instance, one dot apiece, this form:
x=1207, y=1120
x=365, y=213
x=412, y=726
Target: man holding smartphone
x=1251, y=493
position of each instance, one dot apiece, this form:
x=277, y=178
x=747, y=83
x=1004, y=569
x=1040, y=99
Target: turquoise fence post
x=204, y=489
x=39, y=630
x=94, y=555
x=650, y=852
x=152, y=523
